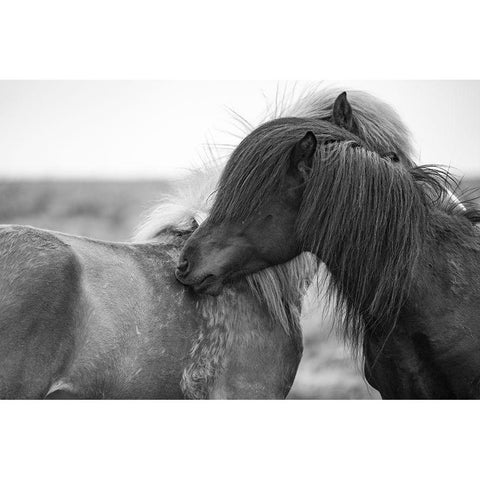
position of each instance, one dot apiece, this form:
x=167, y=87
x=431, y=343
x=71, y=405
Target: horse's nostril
x=182, y=267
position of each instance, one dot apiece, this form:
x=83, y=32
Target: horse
x=87, y=319
x=401, y=249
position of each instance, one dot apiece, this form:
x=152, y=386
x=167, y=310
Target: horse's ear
x=342, y=113
x=303, y=153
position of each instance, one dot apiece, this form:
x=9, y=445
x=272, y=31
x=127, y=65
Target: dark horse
x=81, y=318
x=402, y=252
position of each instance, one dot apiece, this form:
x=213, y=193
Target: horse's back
x=39, y=287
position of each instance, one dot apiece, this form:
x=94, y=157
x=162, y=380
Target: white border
x=223, y=40
x=214, y=39
x=230, y=440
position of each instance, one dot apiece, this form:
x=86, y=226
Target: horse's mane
x=368, y=220
x=365, y=216
x=379, y=125
x=279, y=288
x=379, y=128
x=187, y=204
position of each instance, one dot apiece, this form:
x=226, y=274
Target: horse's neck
x=445, y=268
x=449, y=262
x=240, y=350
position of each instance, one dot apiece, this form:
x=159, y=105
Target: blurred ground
x=111, y=211
x=327, y=369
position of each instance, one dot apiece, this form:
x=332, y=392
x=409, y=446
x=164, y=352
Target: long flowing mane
x=368, y=222
x=365, y=216
x=380, y=129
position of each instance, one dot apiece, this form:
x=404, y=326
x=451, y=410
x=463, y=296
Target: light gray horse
x=82, y=318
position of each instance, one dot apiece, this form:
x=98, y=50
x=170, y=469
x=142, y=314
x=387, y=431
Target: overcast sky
x=145, y=129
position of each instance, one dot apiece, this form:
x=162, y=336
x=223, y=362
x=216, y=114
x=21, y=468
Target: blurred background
x=90, y=157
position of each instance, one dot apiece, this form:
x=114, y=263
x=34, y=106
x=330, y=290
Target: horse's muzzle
x=207, y=285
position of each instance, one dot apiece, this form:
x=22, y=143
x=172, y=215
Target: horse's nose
x=182, y=268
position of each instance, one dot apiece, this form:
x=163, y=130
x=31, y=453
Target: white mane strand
x=190, y=199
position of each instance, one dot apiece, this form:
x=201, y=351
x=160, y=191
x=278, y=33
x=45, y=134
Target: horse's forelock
x=258, y=166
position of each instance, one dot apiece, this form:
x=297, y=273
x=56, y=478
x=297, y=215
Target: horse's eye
x=194, y=224
x=393, y=157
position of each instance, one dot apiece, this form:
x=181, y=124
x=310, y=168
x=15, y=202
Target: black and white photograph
x=239, y=240
x=315, y=245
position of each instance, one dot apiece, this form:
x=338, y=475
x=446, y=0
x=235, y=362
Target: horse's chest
x=404, y=366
